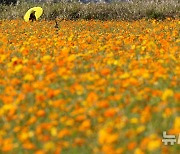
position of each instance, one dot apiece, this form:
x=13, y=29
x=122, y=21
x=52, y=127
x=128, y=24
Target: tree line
x=8, y=2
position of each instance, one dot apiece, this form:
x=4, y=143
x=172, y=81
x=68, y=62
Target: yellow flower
x=49, y=146
x=140, y=129
x=2, y=58
x=46, y=58
x=85, y=125
x=105, y=137
x=154, y=142
x=134, y=120
x=124, y=76
x=69, y=122
x=28, y=77
x=53, y=131
x=18, y=68
x=153, y=145
x=167, y=93
x=24, y=136
x=138, y=151
x=177, y=123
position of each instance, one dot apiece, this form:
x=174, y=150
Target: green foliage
x=153, y=14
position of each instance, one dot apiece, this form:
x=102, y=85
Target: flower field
x=103, y=87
